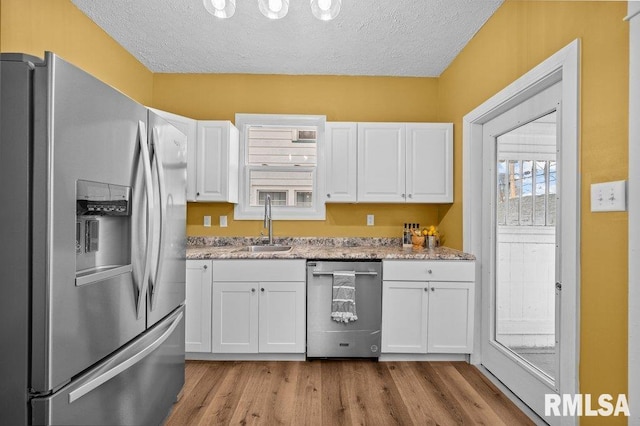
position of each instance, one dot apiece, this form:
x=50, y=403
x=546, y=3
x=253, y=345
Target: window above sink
x=281, y=156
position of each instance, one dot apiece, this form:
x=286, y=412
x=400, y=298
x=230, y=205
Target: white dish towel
x=343, y=303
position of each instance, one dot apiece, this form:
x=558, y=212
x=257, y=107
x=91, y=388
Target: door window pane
x=525, y=243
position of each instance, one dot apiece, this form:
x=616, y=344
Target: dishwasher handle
x=372, y=273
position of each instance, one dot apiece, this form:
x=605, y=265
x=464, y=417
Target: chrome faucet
x=268, y=223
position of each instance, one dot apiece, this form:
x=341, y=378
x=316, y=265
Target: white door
x=381, y=162
x=520, y=338
x=341, y=161
x=404, y=316
x=450, y=317
x=235, y=317
x=429, y=162
x=198, y=312
x=282, y=317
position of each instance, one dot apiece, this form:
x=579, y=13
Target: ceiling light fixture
x=325, y=10
x=220, y=8
x=274, y=9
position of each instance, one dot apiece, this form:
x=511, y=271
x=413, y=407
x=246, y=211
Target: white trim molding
x=562, y=66
x=634, y=213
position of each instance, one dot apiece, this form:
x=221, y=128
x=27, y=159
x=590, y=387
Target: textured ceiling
x=369, y=37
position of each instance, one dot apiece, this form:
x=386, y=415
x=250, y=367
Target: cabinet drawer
x=428, y=270
x=259, y=270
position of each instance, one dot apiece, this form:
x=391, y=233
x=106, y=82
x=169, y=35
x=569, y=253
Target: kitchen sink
x=265, y=249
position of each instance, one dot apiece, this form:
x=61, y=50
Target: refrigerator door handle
x=129, y=362
x=148, y=183
x=155, y=282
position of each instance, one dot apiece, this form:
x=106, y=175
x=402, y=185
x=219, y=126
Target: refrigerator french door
x=94, y=204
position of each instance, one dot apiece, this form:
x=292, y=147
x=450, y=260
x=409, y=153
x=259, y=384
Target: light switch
x=369, y=220
x=609, y=196
x=223, y=221
x=207, y=221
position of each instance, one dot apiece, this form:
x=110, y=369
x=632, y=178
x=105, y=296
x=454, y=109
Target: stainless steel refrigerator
x=92, y=250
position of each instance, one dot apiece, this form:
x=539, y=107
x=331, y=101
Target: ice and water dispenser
x=103, y=231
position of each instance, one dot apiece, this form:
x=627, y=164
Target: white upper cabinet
x=217, y=151
x=212, y=157
x=341, y=162
x=429, y=162
x=187, y=126
x=405, y=162
x=381, y=162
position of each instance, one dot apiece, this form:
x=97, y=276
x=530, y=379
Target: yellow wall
x=519, y=36
x=35, y=26
x=340, y=98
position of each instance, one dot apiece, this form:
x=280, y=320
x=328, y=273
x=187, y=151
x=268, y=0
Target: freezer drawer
x=126, y=388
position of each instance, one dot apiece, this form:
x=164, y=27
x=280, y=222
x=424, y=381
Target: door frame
x=562, y=66
x=633, y=18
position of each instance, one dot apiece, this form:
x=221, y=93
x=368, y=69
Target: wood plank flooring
x=340, y=392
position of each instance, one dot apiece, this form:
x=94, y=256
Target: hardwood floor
x=340, y=392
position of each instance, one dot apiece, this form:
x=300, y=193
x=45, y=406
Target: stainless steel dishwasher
x=327, y=338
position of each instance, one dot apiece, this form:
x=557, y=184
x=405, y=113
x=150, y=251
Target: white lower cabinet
x=259, y=306
x=428, y=306
x=198, y=310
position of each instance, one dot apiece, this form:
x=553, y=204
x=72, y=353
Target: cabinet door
x=381, y=162
x=404, y=316
x=198, y=301
x=282, y=317
x=450, y=323
x=429, y=163
x=188, y=126
x=217, y=153
x=341, y=162
x=235, y=317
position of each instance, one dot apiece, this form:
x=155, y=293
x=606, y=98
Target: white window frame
x=243, y=210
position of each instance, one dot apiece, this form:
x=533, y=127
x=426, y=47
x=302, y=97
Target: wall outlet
x=207, y=221
x=369, y=220
x=223, y=221
x=609, y=196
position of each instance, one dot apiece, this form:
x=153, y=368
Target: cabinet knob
x=404, y=196
x=253, y=290
x=433, y=289
x=205, y=267
x=429, y=271
x=426, y=289
x=328, y=195
x=198, y=194
x=262, y=289
x=410, y=195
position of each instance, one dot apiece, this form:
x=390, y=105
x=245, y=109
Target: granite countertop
x=318, y=248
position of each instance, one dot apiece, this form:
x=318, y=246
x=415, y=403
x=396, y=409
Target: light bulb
x=324, y=4
x=325, y=10
x=220, y=8
x=275, y=5
x=274, y=9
